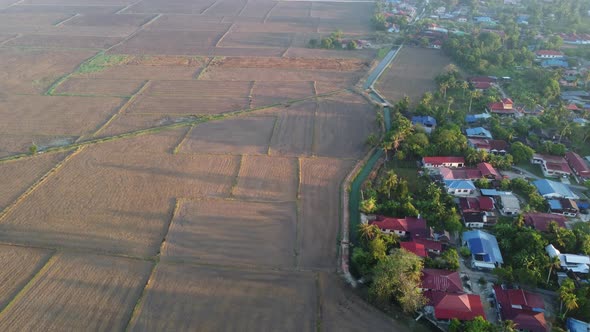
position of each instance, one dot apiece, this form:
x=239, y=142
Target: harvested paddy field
x=203, y=231
x=161, y=208
x=207, y=298
x=78, y=292
x=412, y=73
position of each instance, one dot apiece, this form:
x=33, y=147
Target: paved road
x=380, y=68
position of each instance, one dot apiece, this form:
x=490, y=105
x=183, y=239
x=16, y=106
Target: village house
x=575, y=39
x=508, y=204
x=563, y=206
x=541, y=221
x=551, y=189
x=434, y=162
x=427, y=122
x=525, y=309
x=504, y=107
x=578, y=165
x=549, y=54
x=552, y=166
x=574, y=325
x=432, y=246
x=554, y=63
x=478, y=132
x=460, y=187
x=416, y=248
x=485, y=253
x=436, y=280
x=403, y=227
x=446, y=306
x=477, y=212
x=473, y=118
x=493, y=146
x=574, y=263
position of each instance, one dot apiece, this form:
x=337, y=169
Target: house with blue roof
x=485, y=252
x=483, y=19
x=574, y=325
x=460, y=187
x=556, y=63
x=428, y=122
x=473, y=118
x=552, y=189
x=478, y=132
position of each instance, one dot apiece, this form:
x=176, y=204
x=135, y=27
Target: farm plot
x=344, y=113
x=193, y=97
x=170, y=6
x=267, y=27
x=79, y=2
x=64, y=9
x=54, y=115
x=18, y=175
x=150, y=67
x=268, y=178
x=216, y=299
x=113, y=198
x=188, y=23
x=293, y=134
x=166, y=42
x=125, y=123
x=109, y=20
x=225, y=8
x=33, y=71
x=268, y=93
x=366, y=55
x=319, y=221
x=243, y=135
x=233, y=232
x=257, y=39
x=29, y=22
x=79, y=292
x=97, y=87
x=412, y=74
x=60, y=41
x=291, y=9
x=19, y=265
x=257, y=9
x=248, y=52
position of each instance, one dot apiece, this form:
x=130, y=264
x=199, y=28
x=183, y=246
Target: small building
x=432, y=246
x=460, y=173
x=488, y=171
x=574, y=325
x=563, y=206
x=504, y=107
x=509, y=204
x=525, y=309
x=447, y=306
x=427, y=122
x=493, y=146
x=460, y=187
x=477, y=212
x=483, y=19
x=554, y=63
x=434, y=162
x=552, y=166
x=578, y=165
x=478, y=132
x=441, y=281
x=485, y=253
x=408, y=226
x=549, y=54
x=574, y=263
x=416, y=248
x=551, y=189
x=541, y=221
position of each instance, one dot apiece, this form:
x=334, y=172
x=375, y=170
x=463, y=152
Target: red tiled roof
x=416, y=248
x=578, y=164
x=429, y=244
x=507, y=101
x=487, y=169
x=573, y=107
x=415, y=226
x=489, y=144
x=549, y=52
x=460, y=306
x=460, y=174
x=560, y=166
x=486, y=203
x=443, y=160
x=442, y=280
x=541, y=221
x=485, y=79
x=517, y=305
x=476, y=204
x=481, y=85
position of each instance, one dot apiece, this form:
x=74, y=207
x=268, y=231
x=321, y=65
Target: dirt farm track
x=189, y=164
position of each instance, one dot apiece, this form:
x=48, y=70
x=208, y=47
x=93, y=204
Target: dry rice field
x=189, y=167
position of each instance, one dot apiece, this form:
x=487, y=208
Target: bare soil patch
x=268, y=178
x=109, y=20
x=19, y=265
x=248, y=52
x=18, y=175
x=366, y=55
x=169, y=43
x=188, y=23
x=257, y=39
x=268, y=93
x=285, y=27
x=79, y=2
x=58, y=41
x=29, y=22
x=64, y=9
x=344, y=65
x=33, y=71
x=319, y=220
x=412, y=73
x=214, y=299
x=243, y=135
x=233, y=232
x=98, y=87
x=343, y=113
x=115, y=198
x=170, y=6
x=292, y=9
x=79, y=292
x=225, y=8
x=293, y=134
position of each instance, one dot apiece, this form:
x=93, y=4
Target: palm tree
x=464, y=85
x=368, y=232
x=389, y=182
x=443, y=88
x=554, y=262
x=570, y=301
x=508, y=326
x=473, y=94
x=386, y=145
x=369, y=205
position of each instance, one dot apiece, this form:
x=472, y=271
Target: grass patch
x=100, y=62
x=406, y=169
x=382, y=52
x=533, y=168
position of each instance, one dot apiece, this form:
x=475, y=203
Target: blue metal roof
x=489, y=192
x=574, y=325
x=554, y=204
x=425, y=120
x=484, y=244
x=552, y=188
x=478, y=131
x=460, y=184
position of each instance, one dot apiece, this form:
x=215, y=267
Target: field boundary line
x=48, y=264
x=177, y=205
x=314, y=87
x=139, y=303
x=267, y=15
x=224, y=34
x=319, y=305
x=201, y=70
x=139, y=29
x=14, y=4
x=59, y=23
x=298, y=213
x=123, y=107
x=243, y=8
x=236, y=178
x=37, y=183
x=209, y=7
x=176, y=149
x=18, y=35
x=118, y=12
x=272, y=134
x=251, y=94
x=51, y=89
x=313, y=132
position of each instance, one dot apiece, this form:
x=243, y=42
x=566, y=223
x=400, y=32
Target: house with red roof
x=578, y=165
x=483, y=170
x=525, y=309
x=503, y=107
x=493, y=146
x=441, y=281
x=447, y=306
x=432, y=246
x=552, y=166
x=541, y=221
x=477, y=212
x=549, y=54
x=408, y=226
x=488, y=171
x=414, y=247
x=434, y=162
